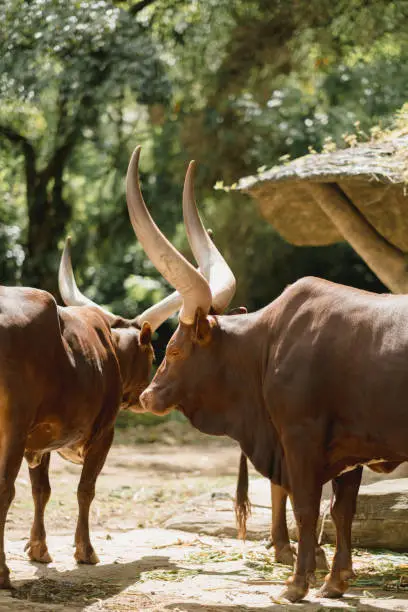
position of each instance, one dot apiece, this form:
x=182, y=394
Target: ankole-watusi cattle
x=64, y=373
x=310, y=386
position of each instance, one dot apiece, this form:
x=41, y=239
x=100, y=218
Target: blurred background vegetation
x=235, y=84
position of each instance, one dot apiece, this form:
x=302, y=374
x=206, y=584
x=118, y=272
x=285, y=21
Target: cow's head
x=135, y=355
x=191, y=354
x=192, y=376
x=131, y=337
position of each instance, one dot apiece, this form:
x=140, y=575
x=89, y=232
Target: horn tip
x=190, y=173
x=67, y=247
x=134, y=162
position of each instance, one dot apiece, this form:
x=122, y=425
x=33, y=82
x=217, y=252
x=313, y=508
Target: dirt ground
x=146, y=567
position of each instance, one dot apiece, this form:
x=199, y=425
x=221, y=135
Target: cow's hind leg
x=11, y=456
x=284, y=552
x=321, y=560
x=345, y=489
x=93, y=463
x=40, y=486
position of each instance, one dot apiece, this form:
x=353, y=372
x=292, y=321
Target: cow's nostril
x=144, y=399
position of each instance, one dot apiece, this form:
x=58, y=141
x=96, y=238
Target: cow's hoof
x=38, y=552
x=87, y=557
x=5, y=579
x=296, y=589
x=332, y=590
x=347, y=574
x=293, y=593
x=321, y=561
x=268, y=544
x=285, y=555
x=335, y=586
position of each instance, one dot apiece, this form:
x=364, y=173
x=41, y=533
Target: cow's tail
x=242, y=503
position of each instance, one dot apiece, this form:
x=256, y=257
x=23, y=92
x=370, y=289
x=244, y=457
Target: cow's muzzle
x=150, y=401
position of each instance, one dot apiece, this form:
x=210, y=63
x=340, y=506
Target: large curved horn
x=71, y=295
x=69, y=291
x=169, y=262
x=212, y=264
x=158, y=313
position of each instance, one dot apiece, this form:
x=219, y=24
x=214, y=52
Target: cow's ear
x=202, y=328
x=145, y=334
x=116, y=336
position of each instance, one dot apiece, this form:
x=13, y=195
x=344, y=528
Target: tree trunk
x=47, y=210
x=388, y=262
x=48, y=214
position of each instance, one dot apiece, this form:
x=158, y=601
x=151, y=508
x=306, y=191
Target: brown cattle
x=310, y=386
x=64, y=373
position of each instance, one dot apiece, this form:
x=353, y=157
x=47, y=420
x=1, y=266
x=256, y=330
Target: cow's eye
x=173, y=353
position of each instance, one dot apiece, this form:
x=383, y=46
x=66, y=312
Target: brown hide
x=63, y=374
x=311, y=386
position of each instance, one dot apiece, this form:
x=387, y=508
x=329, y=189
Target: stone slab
x=381, y=519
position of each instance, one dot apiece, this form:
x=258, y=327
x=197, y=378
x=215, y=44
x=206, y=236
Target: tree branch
x=14, y=136
x=139, y=6
x=59, y=156
x=134, y=9
x=61, y=152
x=29, y=155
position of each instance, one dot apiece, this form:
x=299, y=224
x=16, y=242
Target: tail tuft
x=242, y=503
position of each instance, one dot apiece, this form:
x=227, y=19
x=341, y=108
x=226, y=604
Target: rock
x=381, y=519
x=215, y=516
x=213, y=513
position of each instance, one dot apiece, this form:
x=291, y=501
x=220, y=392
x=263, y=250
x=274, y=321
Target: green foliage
x=67, y=71
x=128, y=419
x=236, y=85
x=77, y=48
x=12, y=218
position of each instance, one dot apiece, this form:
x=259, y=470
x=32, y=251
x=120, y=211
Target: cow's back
x=30, y=339
x=340, y=355
x=332, y=331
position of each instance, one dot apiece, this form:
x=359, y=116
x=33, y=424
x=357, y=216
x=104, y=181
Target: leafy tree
x=63, y=67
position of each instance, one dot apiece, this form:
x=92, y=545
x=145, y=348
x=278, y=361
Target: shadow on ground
x=86, y=583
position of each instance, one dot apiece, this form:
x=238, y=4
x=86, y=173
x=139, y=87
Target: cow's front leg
x=306, y=509
x=41, y=490
x=11, y=456
x=306, y=493
x=93, y=463
x=345, y=489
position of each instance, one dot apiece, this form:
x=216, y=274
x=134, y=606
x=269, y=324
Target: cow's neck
x=232, y=403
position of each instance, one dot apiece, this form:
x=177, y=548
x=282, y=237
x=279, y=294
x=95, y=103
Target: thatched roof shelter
x=358, y=194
